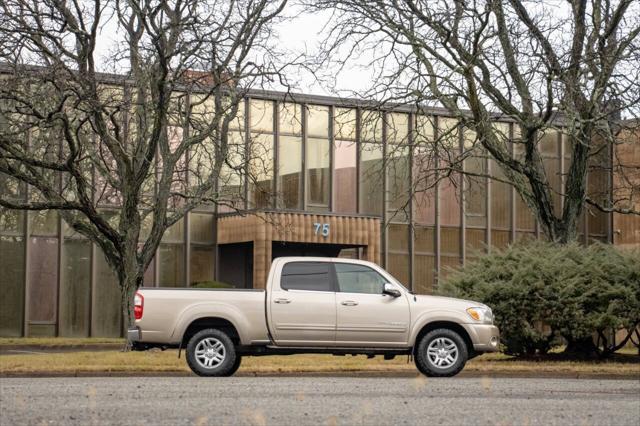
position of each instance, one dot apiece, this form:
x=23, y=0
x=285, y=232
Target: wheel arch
x=450, y=325
x=217, y=323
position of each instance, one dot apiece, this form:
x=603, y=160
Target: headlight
x=483, y=315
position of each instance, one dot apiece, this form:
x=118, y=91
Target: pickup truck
x=313, y=305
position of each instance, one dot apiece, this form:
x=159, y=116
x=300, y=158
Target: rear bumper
x=485, y=337
x=134, y=335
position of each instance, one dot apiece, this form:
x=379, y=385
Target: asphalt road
x=318, y=400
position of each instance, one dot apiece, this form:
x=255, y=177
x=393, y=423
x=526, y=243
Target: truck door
x=303, y=305
x=366, y=317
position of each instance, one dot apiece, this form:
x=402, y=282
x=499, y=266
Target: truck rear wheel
x=441, y=353
x=210, y=352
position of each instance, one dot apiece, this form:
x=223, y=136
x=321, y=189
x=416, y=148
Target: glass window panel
x=171, y=265
x=345, y=123
x=201, y=162
x=500, y=239
x=175, y=233
x=500, y=198
x=290, y=118
x=261, y=170
x=313, y=276
x=149, y=274
x=201, y=228
x=424, y=273
x=371, y=173
x=448, y=133
x=424, y=130
x=398, y=187
x=106, y=314
x=11, y=222
x=261, y=113
x=552, y=169
x=424, y=185
x=230, y=181
x=447, y=265
x=44, y=223
x=476, y=191
x=450, y=241
x=202, y=263
x=548, y=143
x=371, y=126
x=11, y=285
x=358, y=279
x=398, y=256
x=475, y=241
x=290, y=172
x=11, y=188
x=397, y=128
x=398, y=238
x=317, y=179
x=525, y=219
x=424, y=239
x=43, y=278
x=75, y=288
x=344, y=177
x=450, y=201
x=318, y=121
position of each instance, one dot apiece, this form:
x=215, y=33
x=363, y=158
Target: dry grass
x=58, y=341
x=156, y=361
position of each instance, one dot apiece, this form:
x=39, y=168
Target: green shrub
x=210, y=284
x=544, y=294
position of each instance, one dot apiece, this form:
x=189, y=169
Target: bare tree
x=569, y=65
x=153, y=140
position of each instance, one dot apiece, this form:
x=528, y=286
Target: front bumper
x=134, y=335
x=485, y=337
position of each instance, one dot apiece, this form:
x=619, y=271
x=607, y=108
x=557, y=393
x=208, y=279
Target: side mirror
x=391, y=290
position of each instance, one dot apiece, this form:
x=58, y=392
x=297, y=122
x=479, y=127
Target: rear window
x=306, y=276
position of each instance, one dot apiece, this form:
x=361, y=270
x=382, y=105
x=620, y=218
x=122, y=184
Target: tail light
x=138, y=305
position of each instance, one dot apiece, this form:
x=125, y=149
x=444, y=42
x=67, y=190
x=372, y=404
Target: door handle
x=349, y=303
x=282, y=301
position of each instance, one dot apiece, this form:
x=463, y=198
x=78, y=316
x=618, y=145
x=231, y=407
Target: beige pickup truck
x=314, y=305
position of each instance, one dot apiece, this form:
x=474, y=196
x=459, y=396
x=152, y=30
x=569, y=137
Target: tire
x=211, y=353
x=441, y=353
x=235, y=365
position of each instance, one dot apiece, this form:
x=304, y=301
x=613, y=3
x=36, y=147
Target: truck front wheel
x=441, y=353
x=210, y=352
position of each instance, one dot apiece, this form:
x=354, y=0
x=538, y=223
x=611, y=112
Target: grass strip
x=167, y=361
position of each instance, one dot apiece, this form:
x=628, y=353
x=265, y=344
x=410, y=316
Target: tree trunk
x=128, y=287
x=582, y=348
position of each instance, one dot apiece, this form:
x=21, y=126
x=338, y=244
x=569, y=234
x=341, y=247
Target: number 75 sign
x=321, y=228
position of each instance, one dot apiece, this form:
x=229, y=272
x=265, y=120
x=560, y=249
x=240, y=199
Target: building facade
x=324, y=177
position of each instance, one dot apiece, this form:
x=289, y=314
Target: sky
x=299, y=32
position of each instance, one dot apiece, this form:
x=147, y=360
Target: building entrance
x=254, y=240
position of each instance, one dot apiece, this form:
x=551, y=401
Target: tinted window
x=358, y=279
x=306, y=276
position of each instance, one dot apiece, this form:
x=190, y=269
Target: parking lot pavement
x=317, y=400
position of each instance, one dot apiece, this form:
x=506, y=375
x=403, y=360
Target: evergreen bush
x=545, y=294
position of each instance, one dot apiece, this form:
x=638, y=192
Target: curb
x=336, y=374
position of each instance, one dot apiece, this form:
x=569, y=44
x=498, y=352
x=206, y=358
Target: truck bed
x=167, y=312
